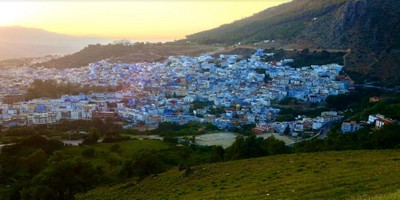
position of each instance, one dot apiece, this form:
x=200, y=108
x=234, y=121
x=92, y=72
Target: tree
x=142, y=164
x=255, y=147
x=387, y=137
x=91, y=138
x=287, y=130
x=62, y=179
x=267, y=78
x=33, y=163
x=235, y=151
x=88, y=152
x=273, y=146
x=116, y=148
x=217, y=154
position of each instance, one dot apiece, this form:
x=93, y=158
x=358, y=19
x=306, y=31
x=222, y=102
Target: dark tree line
x=386, y=138
x=168, y=129
x=52, y=89
x=252, y=146
x=34, y=169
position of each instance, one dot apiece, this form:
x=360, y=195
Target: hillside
x=325, y=175
x=368, y=27
x=332, y=24
x=126, y=53
x=19, y=42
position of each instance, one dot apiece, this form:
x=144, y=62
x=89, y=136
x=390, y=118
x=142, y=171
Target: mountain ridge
x=138, y=52
x=334, y=21
x=19, y=42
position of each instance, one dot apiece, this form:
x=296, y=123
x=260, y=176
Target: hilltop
x=368, y=27
x=324, y=175
x=138, y=52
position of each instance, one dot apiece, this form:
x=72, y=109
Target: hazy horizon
x=133, y=20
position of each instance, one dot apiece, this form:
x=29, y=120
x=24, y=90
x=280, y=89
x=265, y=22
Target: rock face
x=353, y=14
x=354, y=11
x=338, y=24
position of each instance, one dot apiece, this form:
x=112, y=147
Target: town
x=225, y=90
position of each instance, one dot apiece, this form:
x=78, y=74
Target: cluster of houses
x=301, y=126
x=166, y=91
x=376, y=120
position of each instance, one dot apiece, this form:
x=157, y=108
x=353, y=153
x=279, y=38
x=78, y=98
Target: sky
x=151, y=20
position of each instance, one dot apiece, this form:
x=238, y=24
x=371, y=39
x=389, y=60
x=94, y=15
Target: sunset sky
x=137, y=19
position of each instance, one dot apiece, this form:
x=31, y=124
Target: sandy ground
x=224, y=139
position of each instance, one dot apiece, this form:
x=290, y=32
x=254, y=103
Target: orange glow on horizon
x=137, y=20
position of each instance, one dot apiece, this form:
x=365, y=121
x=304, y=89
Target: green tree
x=116, y=148
x=287, y=130
x=273, y=146
x=387, y=137
x=255, y=147
x=144, y=163
x=217, y=154
x=88, y=152
x=235, y=151
x=33, y=163
x=91, y=138
x=62, y=179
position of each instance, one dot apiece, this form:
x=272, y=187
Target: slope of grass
x=325, y=175
x=391, y=196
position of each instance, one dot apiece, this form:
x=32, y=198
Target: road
x=322, y=134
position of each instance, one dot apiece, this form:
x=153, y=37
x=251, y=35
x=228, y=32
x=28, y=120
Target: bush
x=143, y=164
x=172, y=140
x=109, y=139
x=88, y=152
x=116, y=148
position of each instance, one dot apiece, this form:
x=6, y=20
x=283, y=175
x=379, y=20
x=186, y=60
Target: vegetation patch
x=362, y=178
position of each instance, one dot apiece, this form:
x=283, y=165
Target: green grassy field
x=326, y=175
x=391, y=196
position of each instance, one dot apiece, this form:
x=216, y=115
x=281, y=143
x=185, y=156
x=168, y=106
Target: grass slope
x=325, y=175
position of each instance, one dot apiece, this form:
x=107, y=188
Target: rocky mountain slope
x=370, y=28
x=329, y=24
